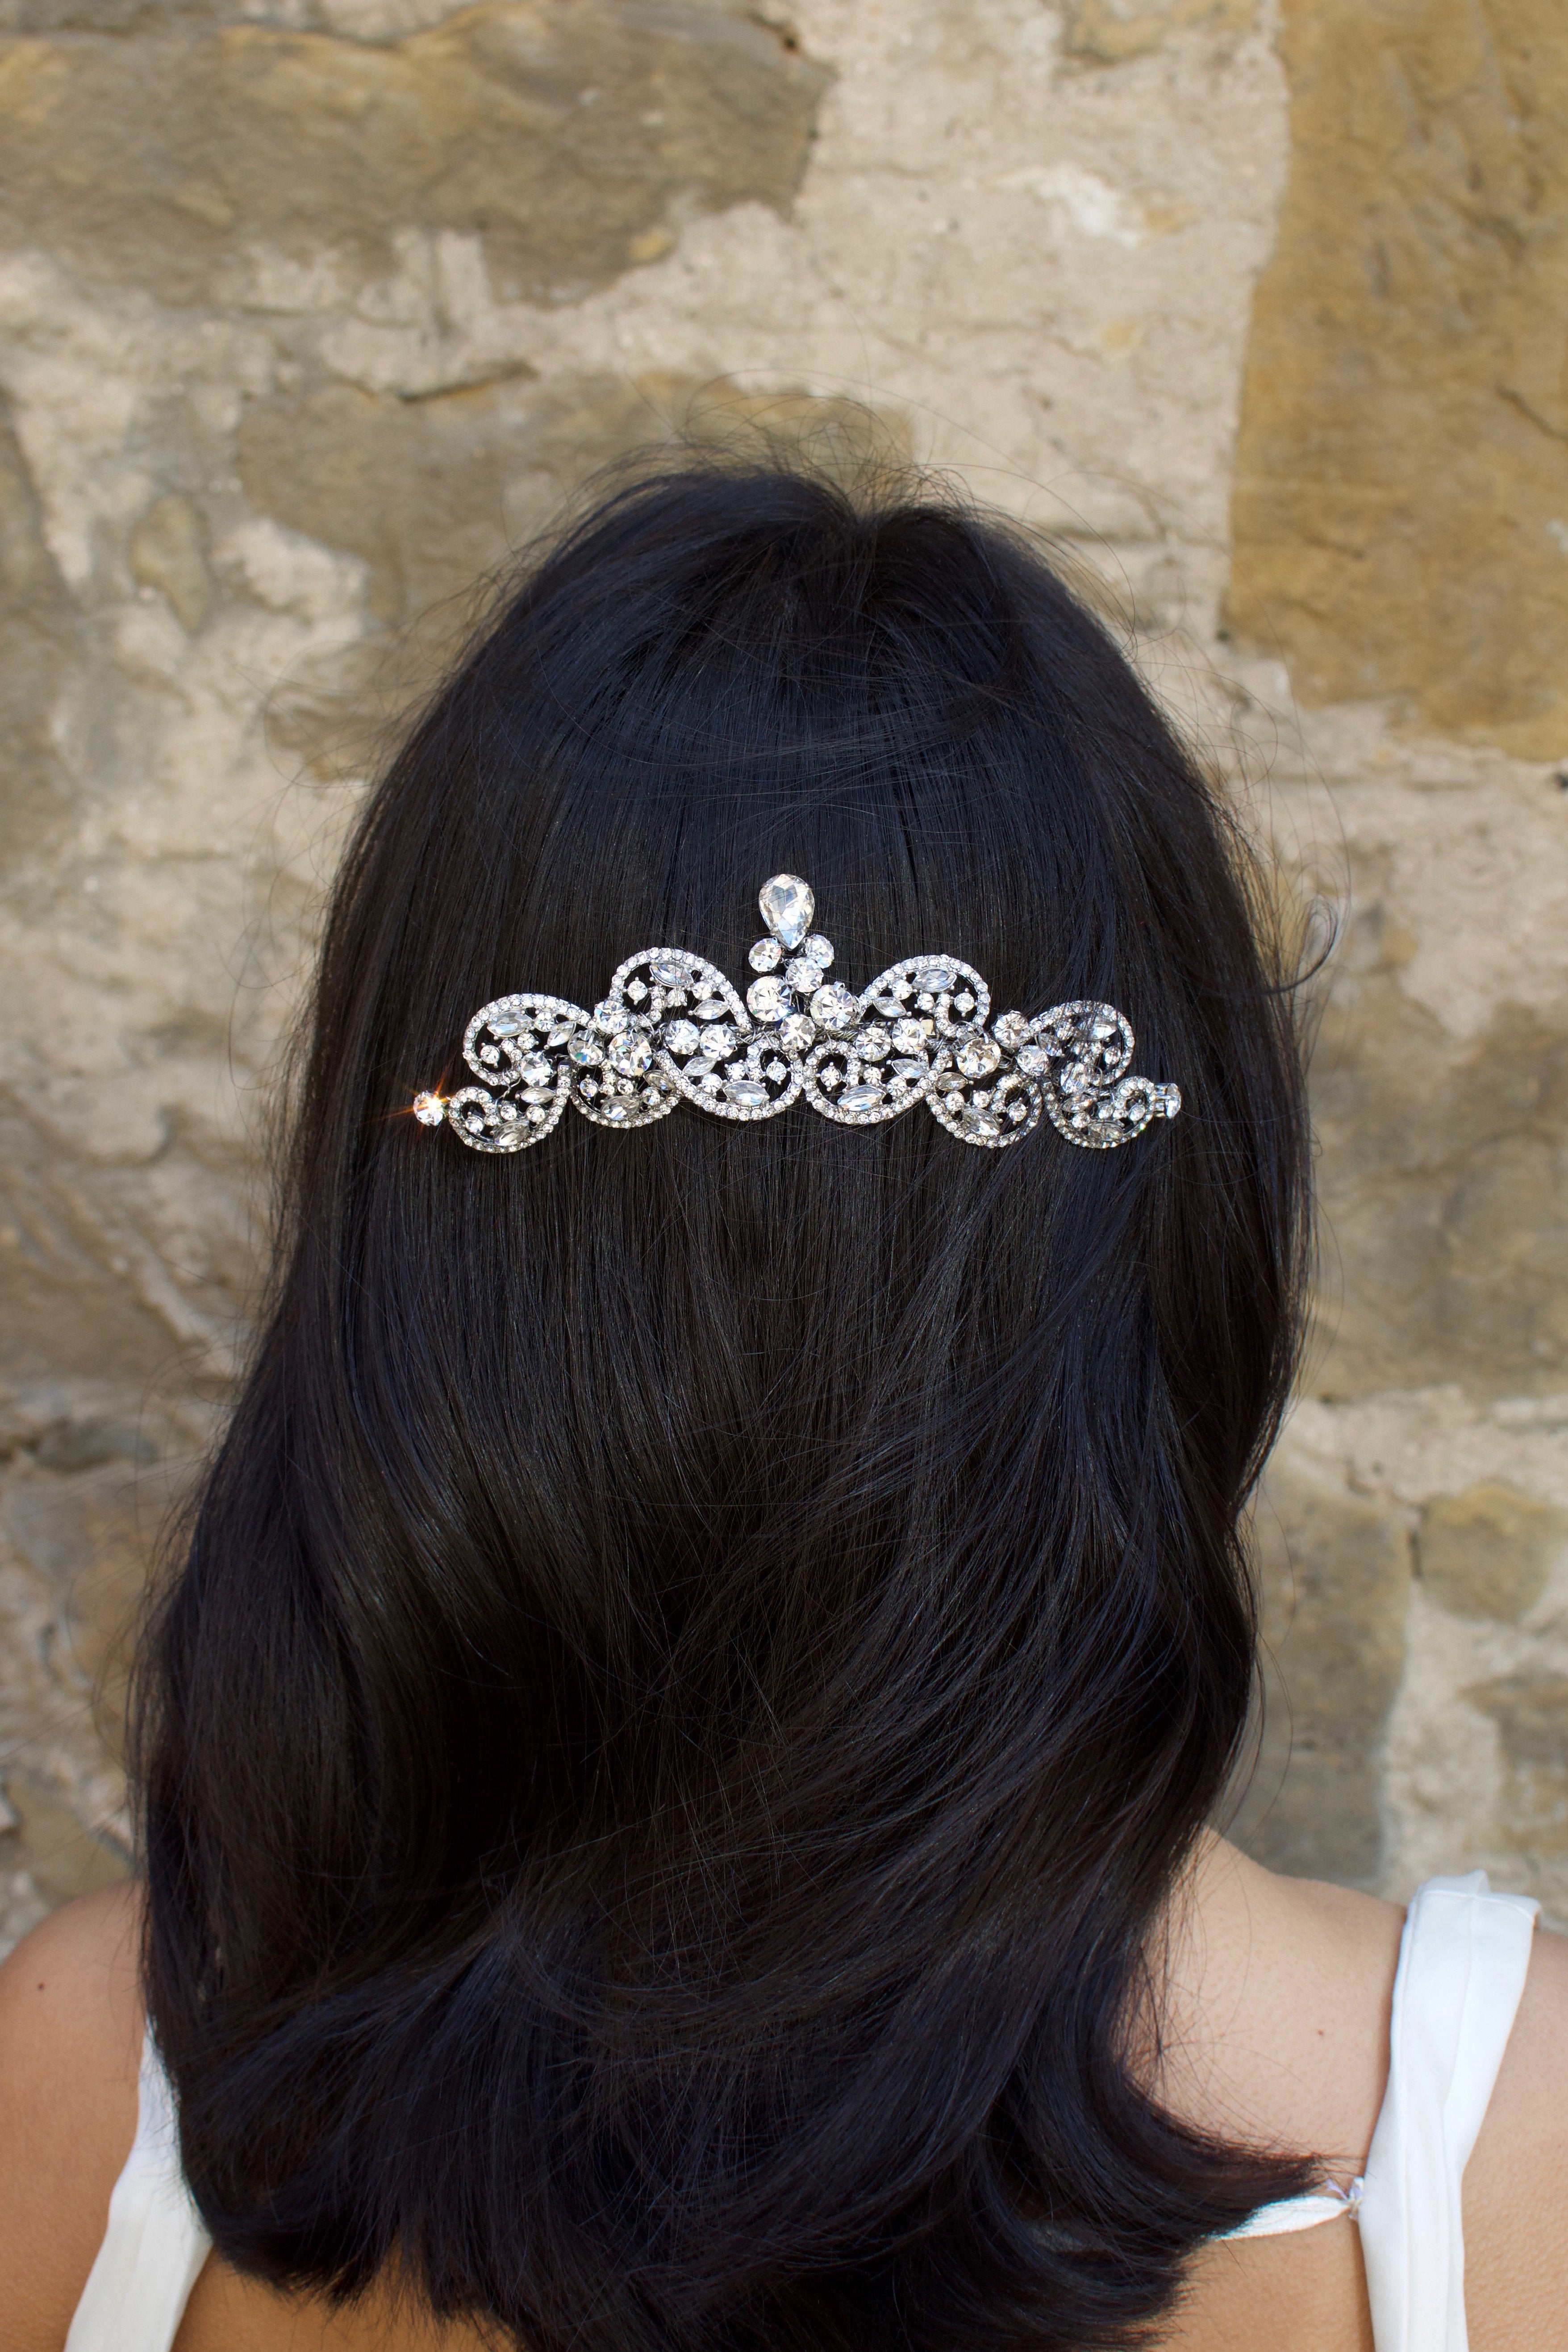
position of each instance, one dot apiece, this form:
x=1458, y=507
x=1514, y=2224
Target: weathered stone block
x=1108, y=32
x=54, y=1855
x=1443, y=1180
x=1531, y=1712
x=1401, y=496
x=1487, y=1552
x=1333, y=1571
x=573, y=136
x=168, y=553
x=37, y=641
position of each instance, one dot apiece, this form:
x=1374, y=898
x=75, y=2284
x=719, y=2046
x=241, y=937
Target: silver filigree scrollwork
x=671, y=1024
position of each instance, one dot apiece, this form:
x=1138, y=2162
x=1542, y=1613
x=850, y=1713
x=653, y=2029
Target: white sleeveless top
x=1462, y=1962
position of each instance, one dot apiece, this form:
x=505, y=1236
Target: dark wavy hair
x=703, y=1652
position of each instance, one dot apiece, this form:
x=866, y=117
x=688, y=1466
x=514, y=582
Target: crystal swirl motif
x=671, y=1026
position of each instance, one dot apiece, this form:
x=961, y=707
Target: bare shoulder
x=70, y=2034
x=1277, y=1996
x=1516, y=2183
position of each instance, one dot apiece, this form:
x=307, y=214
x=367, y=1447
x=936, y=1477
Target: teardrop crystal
x=787, y=907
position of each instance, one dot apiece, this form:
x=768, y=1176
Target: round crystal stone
x=632, y=1053
x=765, y=956
x=666, y=973
x=874, y=1045
x=609, y=1016
x=910, y=1034
x=766, y=998
x=682, y=1036
x=1105, y=1027
x=803, y=973
x=834, y=1009
x=429, y=1109
x=1073, y=1079
x=537, y=1071
x=976, y=1055
x=1010, y=1031
x=747, y=1094
x=718, y=1037
x=798, y=1031
x=819, y=950
x=584, y=1051
x=1034, y=1061
x=866, y=1097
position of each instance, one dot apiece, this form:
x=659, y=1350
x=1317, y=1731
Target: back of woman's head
x=704, y=1648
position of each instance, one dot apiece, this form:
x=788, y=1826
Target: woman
x=676, y=1768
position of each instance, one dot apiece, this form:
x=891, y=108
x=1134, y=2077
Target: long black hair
x=703, y=1651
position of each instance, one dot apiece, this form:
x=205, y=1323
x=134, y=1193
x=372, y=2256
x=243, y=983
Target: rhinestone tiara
x=672, y=1027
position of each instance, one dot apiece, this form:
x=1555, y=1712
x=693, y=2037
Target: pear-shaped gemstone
x=787, y=907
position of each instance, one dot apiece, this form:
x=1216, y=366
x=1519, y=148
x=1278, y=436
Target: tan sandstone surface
x=311, y=310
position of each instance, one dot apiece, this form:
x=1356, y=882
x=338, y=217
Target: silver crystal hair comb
x=672, y=1027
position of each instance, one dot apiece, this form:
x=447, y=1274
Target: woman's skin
x=1276, y=2005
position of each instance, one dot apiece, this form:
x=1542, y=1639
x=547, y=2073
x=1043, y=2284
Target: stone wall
x=310, y=312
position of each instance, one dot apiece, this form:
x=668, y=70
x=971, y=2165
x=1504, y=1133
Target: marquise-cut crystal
x=861, y=1098
x=712, y=1008
x=666, y=973
x=980, y=1123
x=747, y=1094
x=503, y=1026
x=834, y=1009
x=935, y=977
x=538, y=1094
x=787, y=907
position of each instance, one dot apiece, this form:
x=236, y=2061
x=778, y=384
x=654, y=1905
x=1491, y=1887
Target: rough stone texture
x=1402, y=481
x=571, y=137
x=1488, y=1551
x=1334, y=1571
x=311, y=313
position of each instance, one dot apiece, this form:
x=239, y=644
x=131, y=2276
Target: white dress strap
x=1463, y=1958
x=154, y=2246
